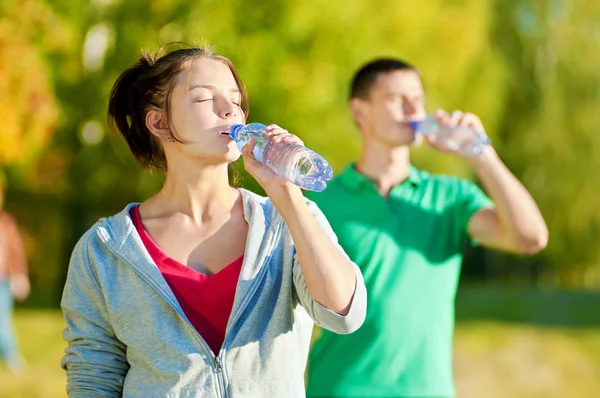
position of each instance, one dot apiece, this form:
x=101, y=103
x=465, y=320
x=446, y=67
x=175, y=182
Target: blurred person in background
x=405, y=228
x=203, y=290
x=14, y=284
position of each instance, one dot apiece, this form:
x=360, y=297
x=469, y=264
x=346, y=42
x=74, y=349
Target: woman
x=14, y=284
x=203, y=290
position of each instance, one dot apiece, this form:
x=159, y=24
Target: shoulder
x=111, y=228
x=89, y=241
x=442, y=190
x=249, y=196
x=255, y=202
x=335, y=188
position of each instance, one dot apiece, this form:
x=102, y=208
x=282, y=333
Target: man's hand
x=448, y=122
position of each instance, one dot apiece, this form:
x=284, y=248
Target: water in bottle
x=294, y=162
x=464, y=140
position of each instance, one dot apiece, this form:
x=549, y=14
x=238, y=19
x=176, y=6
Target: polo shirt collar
x=353, y=179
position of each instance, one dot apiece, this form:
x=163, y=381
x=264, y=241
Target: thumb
x=430, y=139
x=248, y=148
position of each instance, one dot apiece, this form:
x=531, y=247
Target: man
x=14, y=284
x=405, y=228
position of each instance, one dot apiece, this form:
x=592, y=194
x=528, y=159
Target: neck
x=198, y=192
x=386, y=166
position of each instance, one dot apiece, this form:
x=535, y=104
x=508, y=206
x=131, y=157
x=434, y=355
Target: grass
x=40, y=337
x=511, y=342
x=499, y=360
x=506, y=345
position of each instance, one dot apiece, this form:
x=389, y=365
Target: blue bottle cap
x=416, y=125
x=233, y=131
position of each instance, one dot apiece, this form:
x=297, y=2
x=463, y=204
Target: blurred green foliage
x=529, y=68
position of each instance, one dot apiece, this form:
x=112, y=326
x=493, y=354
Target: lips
x=225, y=132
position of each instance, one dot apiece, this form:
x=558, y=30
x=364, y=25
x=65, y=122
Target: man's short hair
x=365, y=77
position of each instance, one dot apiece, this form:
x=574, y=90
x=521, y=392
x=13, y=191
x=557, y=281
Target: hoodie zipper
x=221, y=374
x=220, y=377
x=220, y=369
x=240, y=309
x=244, y=303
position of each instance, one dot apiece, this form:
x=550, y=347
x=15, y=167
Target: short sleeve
x=470, y=200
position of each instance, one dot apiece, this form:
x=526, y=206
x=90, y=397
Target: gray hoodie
x=128, y=336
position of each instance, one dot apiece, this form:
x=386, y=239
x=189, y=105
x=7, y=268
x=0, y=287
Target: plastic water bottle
x=464, y=140
x=296, y=163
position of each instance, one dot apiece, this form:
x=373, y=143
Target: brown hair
x=365, y=77
x=149, y=83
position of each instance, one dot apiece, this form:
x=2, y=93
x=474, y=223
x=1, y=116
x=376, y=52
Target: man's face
x=395, y=99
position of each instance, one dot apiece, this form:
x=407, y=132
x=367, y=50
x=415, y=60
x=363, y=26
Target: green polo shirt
x=409, y=250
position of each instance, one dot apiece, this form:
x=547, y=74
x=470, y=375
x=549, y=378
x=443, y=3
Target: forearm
x=329, y=275
x=519, y=216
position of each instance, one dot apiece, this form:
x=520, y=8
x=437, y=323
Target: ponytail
x=127, y=114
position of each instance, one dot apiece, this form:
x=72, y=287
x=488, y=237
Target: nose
x=228, y=110
x=412, y=107
x=409, y=106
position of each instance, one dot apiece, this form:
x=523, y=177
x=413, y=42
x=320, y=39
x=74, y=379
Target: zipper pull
x=218, y=365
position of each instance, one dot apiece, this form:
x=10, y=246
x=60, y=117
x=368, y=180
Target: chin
x=232, y=156
x=408, y=138
x=235, y=157
x=417, y=141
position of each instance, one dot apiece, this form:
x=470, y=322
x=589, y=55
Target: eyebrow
x=210, y=87
x=404, y=92
x=420, y=96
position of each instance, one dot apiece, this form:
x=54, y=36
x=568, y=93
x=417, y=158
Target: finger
x=442, y=117
x=439, y=112
x=283, y=137
x=276, y=134
x=455, y=118
x=473, y=121
x=430, y=139
x=276, y=131
x=293, y=139
x=435, y=144
x=272, y=127
x=248, y=148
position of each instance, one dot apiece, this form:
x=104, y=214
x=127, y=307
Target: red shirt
x=205, y=300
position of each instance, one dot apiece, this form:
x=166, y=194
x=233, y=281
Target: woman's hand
x=263, y=174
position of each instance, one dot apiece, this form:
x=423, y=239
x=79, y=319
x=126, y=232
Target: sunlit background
x=527, y=326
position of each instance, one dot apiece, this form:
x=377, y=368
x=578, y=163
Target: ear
x=358, y=111
x=156, y=123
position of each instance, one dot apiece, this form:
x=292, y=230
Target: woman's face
x=205, y=102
